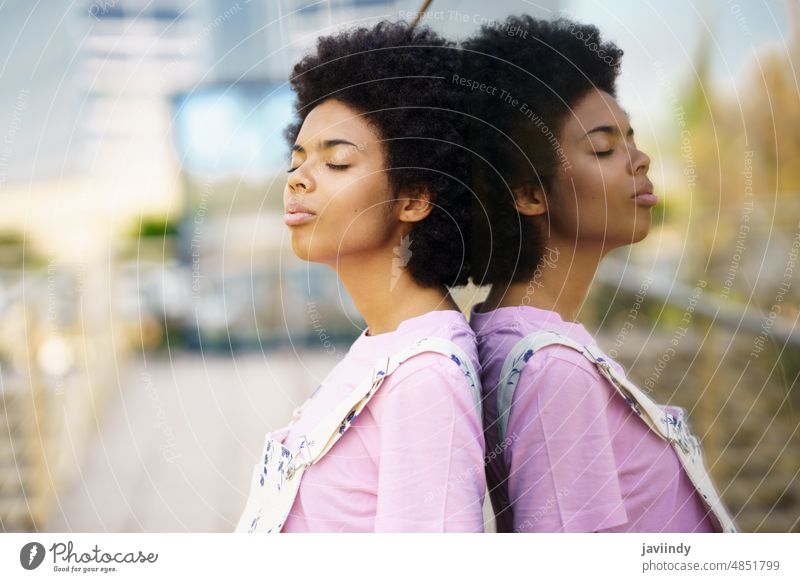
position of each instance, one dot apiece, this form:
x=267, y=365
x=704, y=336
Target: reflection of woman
x=565, y=184
x=376, y=190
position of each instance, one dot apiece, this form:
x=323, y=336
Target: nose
x=300, y=180
x=640, y=161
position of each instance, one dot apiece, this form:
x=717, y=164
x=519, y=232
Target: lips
x=296, y=214
x=644, y=196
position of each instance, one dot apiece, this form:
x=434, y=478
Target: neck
x=559, y=283
x=385, y=296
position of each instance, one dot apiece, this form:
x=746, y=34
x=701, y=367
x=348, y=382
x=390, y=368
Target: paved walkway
x=175, y=449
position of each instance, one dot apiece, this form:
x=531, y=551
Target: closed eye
x=604, y=153
x=331, y=166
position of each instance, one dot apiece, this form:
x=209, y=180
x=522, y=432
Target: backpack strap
x=313, y=446
x=671, y=428
x=519, y=355
x=276, y=480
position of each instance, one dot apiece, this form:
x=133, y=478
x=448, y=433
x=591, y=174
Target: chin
x=641, y=230
x=640, y=233
x=301, y=250
x=614, y=242
x=305, y=251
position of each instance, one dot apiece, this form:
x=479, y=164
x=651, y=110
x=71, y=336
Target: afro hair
x=399, y=77
x=538, y=74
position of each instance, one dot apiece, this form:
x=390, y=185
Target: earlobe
x=529, y=199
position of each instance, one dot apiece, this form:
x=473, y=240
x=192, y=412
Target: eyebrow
x=324, y=145
x=609, y=129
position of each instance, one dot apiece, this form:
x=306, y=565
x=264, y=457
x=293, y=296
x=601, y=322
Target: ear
x=529, y=199
x=414, y=204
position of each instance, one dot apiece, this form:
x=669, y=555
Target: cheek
x=356, y=222
x=590, y=186
x=563, y=203
x=598, y=183
x=577, y=202
x=357, y=218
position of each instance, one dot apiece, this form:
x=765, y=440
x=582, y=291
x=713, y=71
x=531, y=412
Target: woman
x=562, y=185
x=376, y=190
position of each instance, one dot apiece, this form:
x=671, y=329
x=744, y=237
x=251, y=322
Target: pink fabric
x=575, y=457
x=413, y=459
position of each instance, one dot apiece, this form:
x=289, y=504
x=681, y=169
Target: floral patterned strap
x=669, y=426
x=334, y=426
x=276, y=477
x=451, y=350
x=525, y=348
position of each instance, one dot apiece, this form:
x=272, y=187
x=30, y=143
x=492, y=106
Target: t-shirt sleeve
x=562, y=473
x=430, y=476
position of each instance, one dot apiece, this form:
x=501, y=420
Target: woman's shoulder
x=446, y=369
x=425, y=381
x=553, y=356
x=565, y=362
x=447, y=350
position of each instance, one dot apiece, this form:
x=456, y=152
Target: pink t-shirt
x=413, y=459
x=575, y=457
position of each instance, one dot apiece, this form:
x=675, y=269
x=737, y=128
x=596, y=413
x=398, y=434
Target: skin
x=588, y=211
x=338, y=171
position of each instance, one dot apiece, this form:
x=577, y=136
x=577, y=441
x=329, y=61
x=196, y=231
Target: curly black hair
x=547, y=66
x=399, y=77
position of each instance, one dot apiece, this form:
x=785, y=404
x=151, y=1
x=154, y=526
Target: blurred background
x=154, y=323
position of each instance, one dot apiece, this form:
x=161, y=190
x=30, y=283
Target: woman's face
x=338, y=199
x=600, y=192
